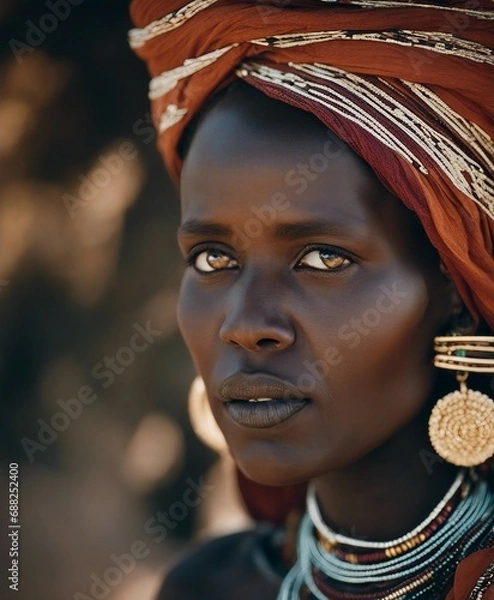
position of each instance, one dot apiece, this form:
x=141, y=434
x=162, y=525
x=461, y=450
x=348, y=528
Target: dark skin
x=338, y=293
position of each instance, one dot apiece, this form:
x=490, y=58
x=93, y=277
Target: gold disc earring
x=461, y=425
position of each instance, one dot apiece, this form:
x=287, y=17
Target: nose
x=256, y=322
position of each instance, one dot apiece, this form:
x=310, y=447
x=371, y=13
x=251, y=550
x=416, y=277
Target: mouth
x=260, y=401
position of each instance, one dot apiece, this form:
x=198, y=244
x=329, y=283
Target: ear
x=461, y=321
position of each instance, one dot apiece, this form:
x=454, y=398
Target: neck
x=390, y=491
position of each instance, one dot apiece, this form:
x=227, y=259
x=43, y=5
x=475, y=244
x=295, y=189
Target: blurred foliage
x=88, y=259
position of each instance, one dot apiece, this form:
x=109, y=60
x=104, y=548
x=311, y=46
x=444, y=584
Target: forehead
x=246, y=124
x=249, y=151
x=247, y=136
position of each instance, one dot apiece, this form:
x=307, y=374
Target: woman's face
x=309, y=284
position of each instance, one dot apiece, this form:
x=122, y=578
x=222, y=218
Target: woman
x=335, y=170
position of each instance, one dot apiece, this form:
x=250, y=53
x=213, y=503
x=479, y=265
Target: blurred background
x=94, y=377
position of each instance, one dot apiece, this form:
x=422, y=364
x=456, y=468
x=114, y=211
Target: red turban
x=409, y=85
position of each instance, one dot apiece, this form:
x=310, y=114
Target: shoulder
x=226, y=568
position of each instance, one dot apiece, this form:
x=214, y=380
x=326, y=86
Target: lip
x=285, y=400
x=242, y=386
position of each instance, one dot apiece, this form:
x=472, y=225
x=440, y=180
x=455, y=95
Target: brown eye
x=325, y=260
x=213, y=260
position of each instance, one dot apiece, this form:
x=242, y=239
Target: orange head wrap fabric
x=408, y=85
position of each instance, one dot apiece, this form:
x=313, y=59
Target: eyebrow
x=285, y=231
x=292, y=231
x=203, y=228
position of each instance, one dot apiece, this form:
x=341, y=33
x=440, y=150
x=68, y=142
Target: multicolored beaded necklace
x=417, y=565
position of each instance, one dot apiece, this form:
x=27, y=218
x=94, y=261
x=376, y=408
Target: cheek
x=386, y=367
x=399, y=326
x=373, y=316
x=376, y=341
x=198, y=315
x=383, y=374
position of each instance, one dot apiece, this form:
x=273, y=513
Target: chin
x=272, y=476
x=277, y=470
x=269, y=470
x=281, y=468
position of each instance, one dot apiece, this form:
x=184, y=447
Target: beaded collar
x=418, y=565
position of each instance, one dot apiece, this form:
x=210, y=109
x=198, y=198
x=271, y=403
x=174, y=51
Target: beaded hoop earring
x=461, y=425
